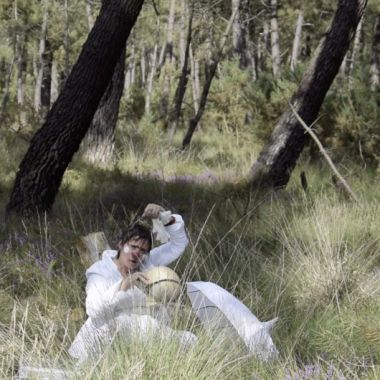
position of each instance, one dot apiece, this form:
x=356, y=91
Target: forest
x=256, y=121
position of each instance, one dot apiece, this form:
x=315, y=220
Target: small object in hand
x=163, y=284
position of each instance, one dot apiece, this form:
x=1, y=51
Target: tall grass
x=310, y=259
x=311, y=262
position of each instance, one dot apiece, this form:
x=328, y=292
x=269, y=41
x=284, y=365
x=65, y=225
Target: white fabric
x=110, y=309
x=220, y=312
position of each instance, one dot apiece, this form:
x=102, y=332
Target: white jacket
x=105, y=302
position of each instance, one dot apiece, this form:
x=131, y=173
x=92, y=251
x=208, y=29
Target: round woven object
x=163, y=284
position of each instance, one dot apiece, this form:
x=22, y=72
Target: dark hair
x=136, y=231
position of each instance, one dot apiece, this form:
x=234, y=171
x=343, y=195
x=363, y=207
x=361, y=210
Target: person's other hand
x=152, y=211
x=133, y=280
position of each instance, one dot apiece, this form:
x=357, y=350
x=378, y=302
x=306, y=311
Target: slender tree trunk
x=355, y=52
x=375, y=56
x=131, y=68
x=47, y=61
x=90, y=14
x=275, y=39
x=182, y=32
x=203, y=101
x=53, y=146
x=99, y=142
x=66, y=42
x=143, y=66
x=240, y=35
x=21, y=54
x=153, y=67
x=194, y=79
x=278, y=157
x=5, y=94
x=182, y=83
x=169, y=63
x=54, y=82
x=296, y=41
x=40, y=61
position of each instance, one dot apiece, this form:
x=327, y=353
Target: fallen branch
x=325, y=155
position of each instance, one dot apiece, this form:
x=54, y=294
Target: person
x=115, y=304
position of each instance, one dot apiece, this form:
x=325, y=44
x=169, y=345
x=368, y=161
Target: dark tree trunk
x=53, y=146
x=175, y=114
x=206, y=88
x=100, y=139
x=278, y=157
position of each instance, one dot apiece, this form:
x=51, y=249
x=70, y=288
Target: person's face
x=133, y=253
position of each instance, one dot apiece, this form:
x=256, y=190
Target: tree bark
x=240, y=33
x=47, y=62
x=375, y=57
x=90, y=14
x=355, y=51
x=153, y=67
x=203, y=101
x=175, y=115
x=275, y=39
x=278, y=157
x=53, y=146
x=21, y=54
x=296, y=42
x=99, y=142
x=54, y=82
x=194, y=63
x=168, y=63
x=40, y=62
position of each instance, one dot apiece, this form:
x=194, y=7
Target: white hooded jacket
x=107, y=304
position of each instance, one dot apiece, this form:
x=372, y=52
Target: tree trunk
x=54, y=82
x=153, y=67
x=143, y=66
x=53, y=146
x=99, y=142
x=40, y=61
x=375, y=57
x=203, y=101
x=194, y=79
x=168, y=62
x=182, y=31
x=66, y=42
x=240, y=34
x=355, y=51
x=296, y=41
x=174, y=116
x=275, y=39
x=47, y=62
x=21, y=54
x=90, y=14
x=278, y=157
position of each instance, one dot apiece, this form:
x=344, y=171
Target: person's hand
x=152, y=211
x=132, y=280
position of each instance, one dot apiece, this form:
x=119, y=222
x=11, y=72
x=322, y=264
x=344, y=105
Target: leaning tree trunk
x=53, y=146
x=100, y=139
x=375, y=57
x=278, y=157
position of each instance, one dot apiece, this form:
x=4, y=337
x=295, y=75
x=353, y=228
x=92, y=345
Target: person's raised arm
x=166, y=253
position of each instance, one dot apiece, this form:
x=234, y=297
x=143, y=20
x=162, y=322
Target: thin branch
x=325, y=155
